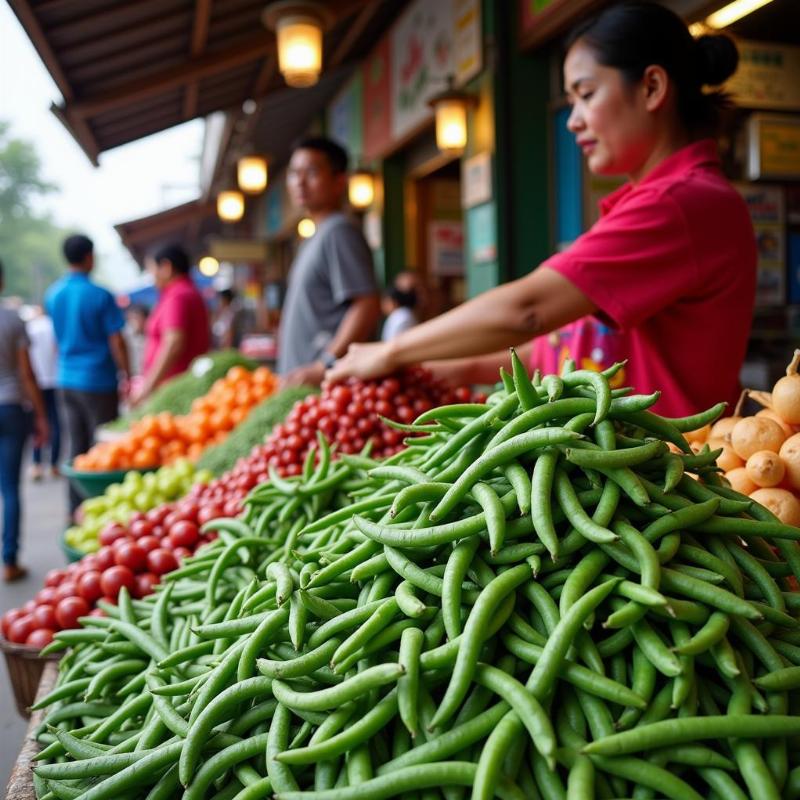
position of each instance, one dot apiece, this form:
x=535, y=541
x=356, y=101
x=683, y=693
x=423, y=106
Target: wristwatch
x=327, y=358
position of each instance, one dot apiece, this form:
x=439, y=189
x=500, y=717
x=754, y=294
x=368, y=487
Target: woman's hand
x=363, y=361
x=41, y=430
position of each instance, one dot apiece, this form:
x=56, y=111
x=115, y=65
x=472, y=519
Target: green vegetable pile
x=536, y=599
x=176, y=395
x=253, y=430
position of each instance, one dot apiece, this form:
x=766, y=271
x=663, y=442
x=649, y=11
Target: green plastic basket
x=71, y=553
x=93, y=484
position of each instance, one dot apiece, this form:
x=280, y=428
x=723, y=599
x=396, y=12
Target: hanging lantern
x=251, y=174
x=361, y=189
x=230, y=206
x=450, y=109
x=208, y=266
x=306, y=228
x=298, y=27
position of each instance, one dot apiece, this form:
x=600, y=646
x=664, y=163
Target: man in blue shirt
x=91, y=349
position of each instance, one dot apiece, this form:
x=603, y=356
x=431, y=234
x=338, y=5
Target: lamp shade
x=251, y=174
x=306, y=228
x=361, y=189
x=298, y=26
x=230, y=206
x=451, y=125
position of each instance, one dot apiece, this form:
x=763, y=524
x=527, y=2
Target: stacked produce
x=349, y=415
x=136, y=492
x=166, y=437
x=760, y=454
x=535, y=598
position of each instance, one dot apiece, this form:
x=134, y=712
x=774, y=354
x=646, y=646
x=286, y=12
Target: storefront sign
x=237, y=250
x=422, y=58
x=468, y=37
x=446, y=247
x=773, y=150
x=345, y=118
x=767, y=76
x=482, y=234
x=377, y=100
x=766, y=206
x=476, y=180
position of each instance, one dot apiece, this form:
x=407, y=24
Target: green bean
x=528, y=397
x=408, y=602
x=575, y=513
x=377, y=621
x=647, y=774
x=541, y=491
x=279, y=774
x=490, y=503
x=520, y=482
x=408, y=683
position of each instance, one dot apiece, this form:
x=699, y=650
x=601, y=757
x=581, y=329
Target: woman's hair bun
x=717, y=58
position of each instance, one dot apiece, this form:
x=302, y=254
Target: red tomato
x=39, y=638
x=208, y=512
x=47, y=595
x=10, y=616
x=97, y=612
x=112, y=532
x=141, y=527
x=89, y=586
x=54, y=577
x=131, y=555
x=105, y=558
x=161, y=560
x=149, y=543
x=144, y=584
x=20, y=629
x=156, y=515
x=69, y=609
x=181, y=552
x=29, y=606
x=114, y=578
x=184, y=534
x=44, y=616
x=68, y=588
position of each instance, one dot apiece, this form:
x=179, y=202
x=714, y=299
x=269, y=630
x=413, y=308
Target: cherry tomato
x=141, y=527
x=54, y=577
x=149, y=543
x=161, y=560
x=144, y=584
x=105, y=558
x=47, y=595
x=44, y=616
x=208, y=512
x=114, y=578
x=184, y=533
x=131, y=555
x=112, y=532
x=181, y=552
x=20, y=629
x=89, y=586
x=40, y=637
x=10, y=616
x=68, y=588
x=69, y=609
x=97, y=612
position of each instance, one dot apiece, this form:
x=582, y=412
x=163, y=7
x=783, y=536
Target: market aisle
x=45, y=510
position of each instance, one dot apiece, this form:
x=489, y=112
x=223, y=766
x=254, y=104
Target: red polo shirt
x=181, y=307
x=672, y=263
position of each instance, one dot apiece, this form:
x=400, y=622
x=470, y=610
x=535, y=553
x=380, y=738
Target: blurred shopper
x=17, y=385
x=136, y=335
x=332, y=298
x=398, y=307
x=228, y=320
x=43, y=353
x=674, y=251
x=178, y=327
x=92, y=355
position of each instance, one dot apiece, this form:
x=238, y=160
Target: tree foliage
x=30, y=242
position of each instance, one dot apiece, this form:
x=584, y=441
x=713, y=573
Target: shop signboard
x=773, y=151
x=274, y=205
x=377, y=100
x=476, y=179
x=345, y=119
x=468, y=36
x=482, y=234
x=446, y=247
x=766, y=206
x=422, y=58
x=767, y=76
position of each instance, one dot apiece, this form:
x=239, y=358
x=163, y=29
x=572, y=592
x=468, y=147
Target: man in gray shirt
x=332, y=299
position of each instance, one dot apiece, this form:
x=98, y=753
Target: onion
x=782, y=503
x=765, y=468
x=790, y=455
x=786, y=393
x=740, y=481
x=752, y=434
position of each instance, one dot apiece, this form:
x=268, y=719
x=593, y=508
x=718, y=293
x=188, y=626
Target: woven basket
x=25, y=667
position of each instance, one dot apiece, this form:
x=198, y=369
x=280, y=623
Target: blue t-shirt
x=84, y=316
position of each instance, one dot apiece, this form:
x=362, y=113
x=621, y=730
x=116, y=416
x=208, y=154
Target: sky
x=132, y=181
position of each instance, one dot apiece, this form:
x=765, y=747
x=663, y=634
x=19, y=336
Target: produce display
x=177, y=394
x=760, y=454
x=136, y=492
x=166, y=437
x=536, y=598
x=349, y=416
x=252, y=432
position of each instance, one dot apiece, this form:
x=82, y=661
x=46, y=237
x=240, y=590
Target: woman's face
x=610, y=117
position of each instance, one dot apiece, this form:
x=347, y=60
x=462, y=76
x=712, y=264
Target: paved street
x=44, y=509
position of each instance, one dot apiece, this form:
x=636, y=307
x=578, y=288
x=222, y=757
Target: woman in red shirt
x=672, y=260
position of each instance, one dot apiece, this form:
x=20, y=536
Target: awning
x=130, y=68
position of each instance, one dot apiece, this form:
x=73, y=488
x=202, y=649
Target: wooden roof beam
x=354, y=31
x=202, y=17
x=194, y=69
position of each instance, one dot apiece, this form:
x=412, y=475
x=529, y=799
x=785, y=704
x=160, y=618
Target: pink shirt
x=180, y=307
x=672, y=263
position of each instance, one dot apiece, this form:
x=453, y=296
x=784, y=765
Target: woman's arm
x=172, y=344
x=498, y=319
x=480, y=369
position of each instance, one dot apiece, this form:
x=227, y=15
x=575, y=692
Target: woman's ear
x=655, y=83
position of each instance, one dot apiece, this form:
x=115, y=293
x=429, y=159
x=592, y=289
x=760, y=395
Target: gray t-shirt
x=331, y=268
x=12, y=339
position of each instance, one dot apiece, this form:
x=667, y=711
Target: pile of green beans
x=538, y=598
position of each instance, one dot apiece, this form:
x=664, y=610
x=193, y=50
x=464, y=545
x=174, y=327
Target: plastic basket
x=72, y=554
x=93, y=484
x=25, y=667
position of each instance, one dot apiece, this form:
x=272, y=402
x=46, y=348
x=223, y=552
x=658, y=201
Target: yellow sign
x=773, y=147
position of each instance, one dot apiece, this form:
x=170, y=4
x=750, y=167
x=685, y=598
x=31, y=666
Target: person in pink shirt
x=178, y=327
x=671, y=263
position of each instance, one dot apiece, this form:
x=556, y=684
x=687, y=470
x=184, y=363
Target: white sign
x=476, y=180
x=446, y=247
x=768, y=76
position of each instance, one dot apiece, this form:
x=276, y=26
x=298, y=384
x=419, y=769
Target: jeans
x=14, y=426
x=49, y=397
x=82, y=412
